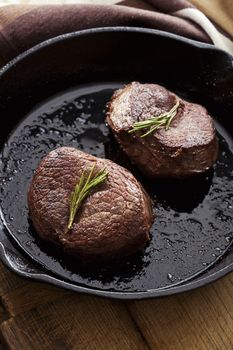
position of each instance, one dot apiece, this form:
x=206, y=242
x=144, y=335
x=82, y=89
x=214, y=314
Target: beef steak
x=188, y=147
x=113, y=221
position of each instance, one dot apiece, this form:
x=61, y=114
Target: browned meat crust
x=114, y=221
x=188, y=147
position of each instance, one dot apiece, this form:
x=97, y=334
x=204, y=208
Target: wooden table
x=38, y=316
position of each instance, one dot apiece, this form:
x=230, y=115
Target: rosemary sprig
x=156, y=122
x=82, y=189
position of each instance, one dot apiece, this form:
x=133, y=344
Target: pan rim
x=70, y=35
x=126, y=295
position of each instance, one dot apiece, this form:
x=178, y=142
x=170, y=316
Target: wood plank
x=20, y=295
x=219, y=11
x=201, y=319
x=29, y=296
x=3, y=314
x=3, y=317
x=75, y=322
x=9, y=280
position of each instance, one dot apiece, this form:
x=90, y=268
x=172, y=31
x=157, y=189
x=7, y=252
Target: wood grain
x=219, y=11
x=19, y=296
x=9, y=279
x=3, y=314
x=29, y=296
x=74, y=322
x=47, y=318
x=3, y=317
x=202, y=319
x=36, y=316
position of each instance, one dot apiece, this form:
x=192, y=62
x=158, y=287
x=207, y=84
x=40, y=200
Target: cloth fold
x=23, y=26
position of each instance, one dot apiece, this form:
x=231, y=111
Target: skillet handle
x=15, y=261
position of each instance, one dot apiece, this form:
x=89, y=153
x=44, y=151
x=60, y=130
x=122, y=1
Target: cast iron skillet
x=55, y=94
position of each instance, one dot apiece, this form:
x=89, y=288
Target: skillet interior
x=204, y=74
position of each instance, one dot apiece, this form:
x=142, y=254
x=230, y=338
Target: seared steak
x=112, y=222
x=189, y=146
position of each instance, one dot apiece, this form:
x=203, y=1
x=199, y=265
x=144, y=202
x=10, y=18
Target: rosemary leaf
x=156, y=122
x=82, y=189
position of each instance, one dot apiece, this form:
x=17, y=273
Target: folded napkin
x=23, y=26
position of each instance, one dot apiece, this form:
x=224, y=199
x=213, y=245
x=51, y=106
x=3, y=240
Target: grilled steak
x=189, y=146
x=113, y=221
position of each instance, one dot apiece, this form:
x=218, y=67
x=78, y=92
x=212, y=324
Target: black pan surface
x=193, y=230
